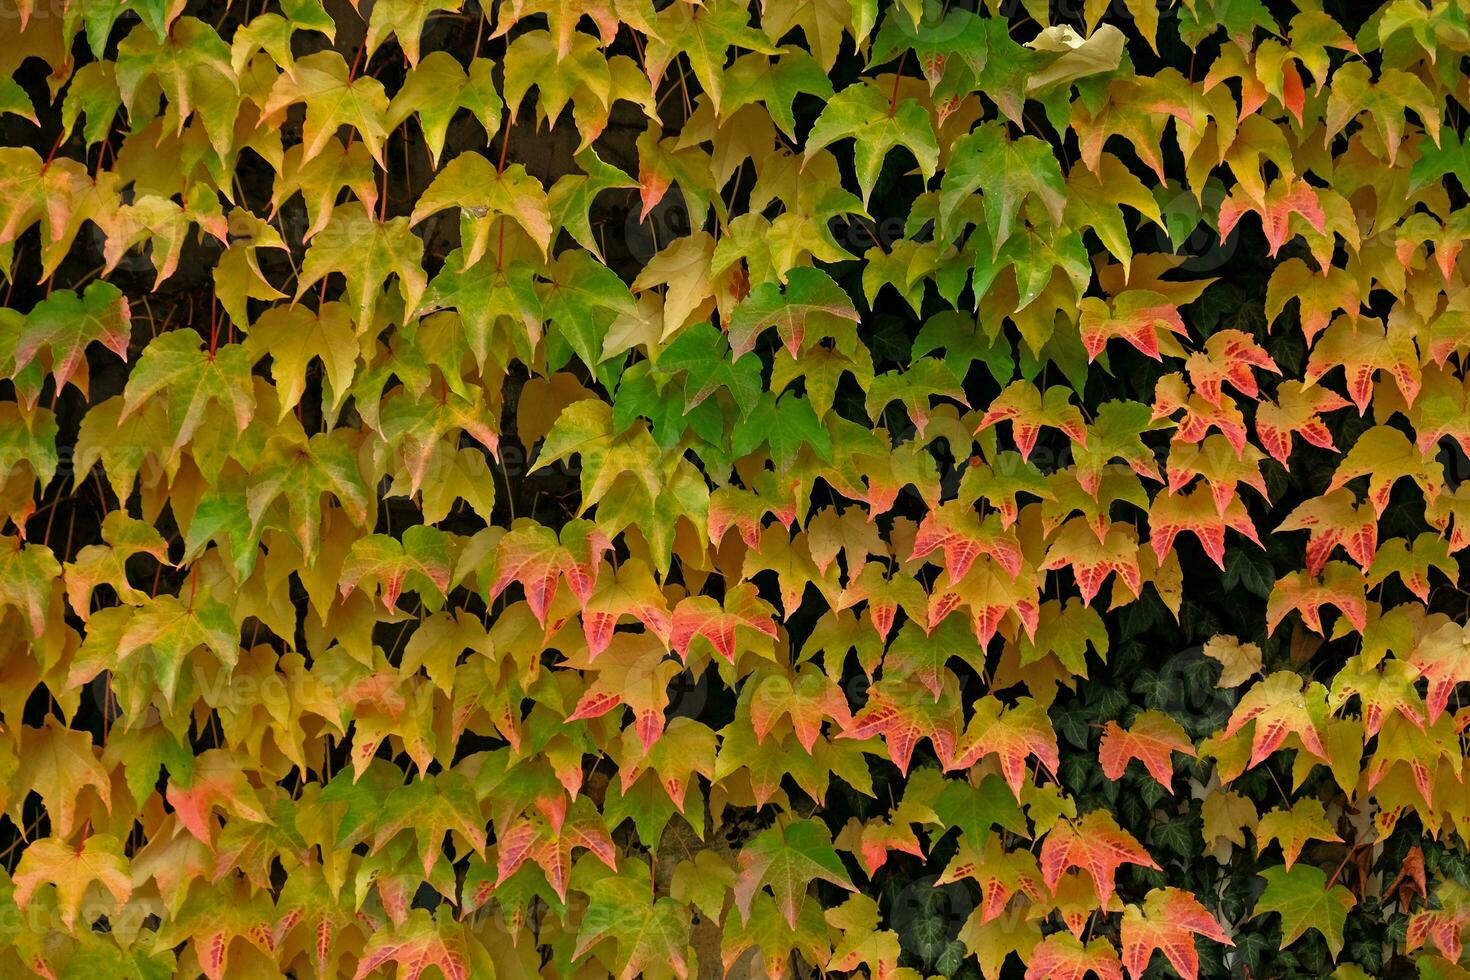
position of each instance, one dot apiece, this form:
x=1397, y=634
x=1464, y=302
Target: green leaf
x=787, y=860
x=1305, y=901
x=865, y=114
x=784, y=426
x=189, y=378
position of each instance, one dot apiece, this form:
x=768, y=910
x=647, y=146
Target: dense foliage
x=593, y=488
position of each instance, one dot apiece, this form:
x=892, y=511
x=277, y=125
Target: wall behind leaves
x=819, y=487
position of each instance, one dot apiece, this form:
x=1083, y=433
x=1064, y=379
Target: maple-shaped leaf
x=1093, y=557
x=1296, y=411
x=1116, y=433
x=64, y=324
x=57, y=763
x=872, y=841
x=1167, y=922
x=903, y=711
x=1001, y=483
x=1335, y=518
x=334, y=97
x=1340, y=585
x=532, y=555
x=405, y=20
x=431, y=806
x=293, y=336
x=308, y=906
x=493, y=301
x=191, y=65
x=1229, y=356
x=702, y=616
x=778, y=943
x=884, y=594
x=415, y=944
x=958, y=531
x=585, y=428
x=1028, y=410
x=1385, y=456
x=990, y=593
x=212, y=920
x=321, y=179
x=27, y=573
x=806, y=699
x=1065, y=632
x=1441, y=410
x=473, y=184
x=301, y=474
x=73, y=868
x=1063, y=957
x=685, y=750
x=1279, y=708
x=570, y=199
x=925, y=378
x=1318, y=296
x=705, y=36
x=434, y=91
x=215, y=781
x=792, y=564
x=629, y=591
x=1306, y=900
x=1195, y=511
x=1172, y=395
x=1383, y=689
x=1239, y=662
x=1442, y=926
x=1001, y=874
x=419, y=561
x=810, y=295
x=1095, y=844
x=699, y=355
x=634, y=670
x=774, y=84
x=863, y=943
x=1443, y=658
x=1292, y=827
x=787, y=860
x=768, y=762
x=189, y=379
x=1152, y=739
x=1008, y=171
x=171, y=629
x=1362, y=347
x=648, y=930
x=366, y=252
x=1014, y=734
x=1284, y=198
x=549, y=844
x=924, y=656
x=95, y=564
x=785, y=424
x=1384, y=99
x=833, y=531
x=424, y=430
x=877, y=123
x=582, y=299
x=1136, y=315
x=1215, y=459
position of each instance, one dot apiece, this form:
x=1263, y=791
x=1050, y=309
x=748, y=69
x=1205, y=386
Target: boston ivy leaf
x=1305, y=900
x=787, y=860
